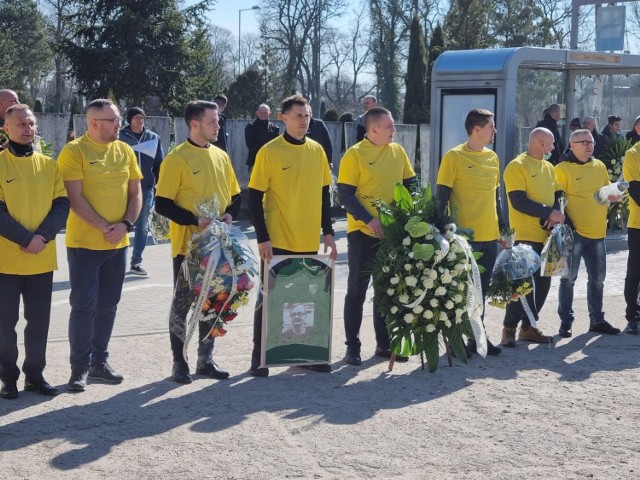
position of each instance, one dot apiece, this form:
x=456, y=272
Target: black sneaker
x=565, y=330
x=211, y=369
x=604, y=327
x=472, y=347
x=78, y=380
x=104, y=373
x=138, y=270
x=632, y=328
x=180, y=373
x=259, y=371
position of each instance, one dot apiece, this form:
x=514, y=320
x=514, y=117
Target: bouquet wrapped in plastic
x=158, y=226
x=511, y=278
x=555, y=258
x=216, y=279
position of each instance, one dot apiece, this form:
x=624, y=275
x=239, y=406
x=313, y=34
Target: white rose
x=461, y=286
x=394, y=309
x=446, y=278
x=440, y=269
x=431, y=328
x=408, y=266
x=454, y=283
x=457, y=298
x=409, y=318
x=418, y=309
x=447, y=323
x=441, y=291
x=433, y=302
x=451, y=257
x=419, y=264
x=386, y=269
x=449, y=305
x=459, y=313
x=406, y=242
x=429, y=237
x=428, y=283
x=428, y=314
x=418, y=292
x=411, y=255
x=394, y=280
x=411, y=281
x=433, y=274
x=390, y=292
x=459, y=267
x=458, y=320
x=443, y=317
x=404, y=298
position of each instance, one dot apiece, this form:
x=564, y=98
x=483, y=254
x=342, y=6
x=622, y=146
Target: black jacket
x=550, y=124
x=221, y=142
x=318, y=132
x=256, y=134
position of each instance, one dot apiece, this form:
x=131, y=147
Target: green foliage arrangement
x=613, y=157
x=331, y=115
x=422, y=277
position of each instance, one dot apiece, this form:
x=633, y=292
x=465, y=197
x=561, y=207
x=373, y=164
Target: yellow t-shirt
x=580, y=182
x=374, y=171
x=537, y=179
x=473, y=177
x=28, y=185
x=292, y=177
x=190, y=176
x=631, y=173
x=105, y=171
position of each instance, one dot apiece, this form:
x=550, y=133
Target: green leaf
x=423, y=251
x=403, y=197
x=386, y=219
x=417, y=228
x=457, y=345
x=432, y=353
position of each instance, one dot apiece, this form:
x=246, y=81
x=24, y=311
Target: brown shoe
x=531, y=334
x=508, y=337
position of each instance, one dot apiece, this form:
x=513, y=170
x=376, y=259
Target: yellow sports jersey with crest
x=28, y=185
x=105, y=171
x=191, y=176
x=473, y=178
x=631, y=173
x=580, y=181
x=374, y=171
x=537, y=179
x=292, y=177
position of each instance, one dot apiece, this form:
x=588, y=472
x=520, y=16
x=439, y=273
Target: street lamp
x=255, y=7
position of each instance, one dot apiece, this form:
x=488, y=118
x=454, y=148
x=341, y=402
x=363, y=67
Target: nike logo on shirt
x=470, y=166
x=579, y=178
x=196, y=172
x=286, y=168
x=9, y=181
x=533, y=176
x=94, y=162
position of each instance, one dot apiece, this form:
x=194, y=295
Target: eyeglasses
x=112, y=120
x=586, y=143
x=297, y=314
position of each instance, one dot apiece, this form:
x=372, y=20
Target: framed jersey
x=298, y=310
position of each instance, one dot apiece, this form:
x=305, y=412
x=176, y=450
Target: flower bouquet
x=426, y=286
x=158, y=226
x=512, y=275
x=216, y=278
x=613, y=159
x=555, y=258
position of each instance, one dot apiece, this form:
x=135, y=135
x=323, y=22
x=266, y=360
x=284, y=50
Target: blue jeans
x=594, y=253
x=142, y=226
x=96, y=278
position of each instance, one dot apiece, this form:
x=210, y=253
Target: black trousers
x=257, y=315
x=177, y=323
x=36, y=295
x=514, y=311
x=362, y=252
x=632, y=280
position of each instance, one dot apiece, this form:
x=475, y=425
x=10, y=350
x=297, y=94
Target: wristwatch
x=128, y=224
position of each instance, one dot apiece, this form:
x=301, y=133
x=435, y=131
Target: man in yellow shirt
x=579, y=177
x=102, y=178
x=530, y=182
x=370, y=169
x=33, y=209
x=468, y=183
x=289, y=202
x=194, y=172
x=631, y=173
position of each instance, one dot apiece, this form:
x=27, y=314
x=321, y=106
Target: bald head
x=540, y=143
x=7, y=98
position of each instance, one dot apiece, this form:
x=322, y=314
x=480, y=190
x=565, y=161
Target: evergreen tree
x=436, y=47
x=247, y=92
x=415, y=108
x=467, y=23
x=518, y=23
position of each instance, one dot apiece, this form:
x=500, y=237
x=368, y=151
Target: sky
x=225, y=14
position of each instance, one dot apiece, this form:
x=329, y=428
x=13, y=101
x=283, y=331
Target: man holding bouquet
x=193, y=173
x=631, y=172
x=530, y=182
x=580, y=177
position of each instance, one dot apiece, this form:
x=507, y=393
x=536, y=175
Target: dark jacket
x=221, y=142
x=606, y=131
x=633, y=136
x=256, y=134
x=601, y=144
x=150, y=166
x=318, y=132
x=550, y=124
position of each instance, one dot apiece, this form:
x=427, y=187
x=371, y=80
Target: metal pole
x=575, y=10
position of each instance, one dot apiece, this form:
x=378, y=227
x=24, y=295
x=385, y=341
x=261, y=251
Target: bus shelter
x=517, y=84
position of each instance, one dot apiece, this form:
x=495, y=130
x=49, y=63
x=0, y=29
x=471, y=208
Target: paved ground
x=569, y=410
